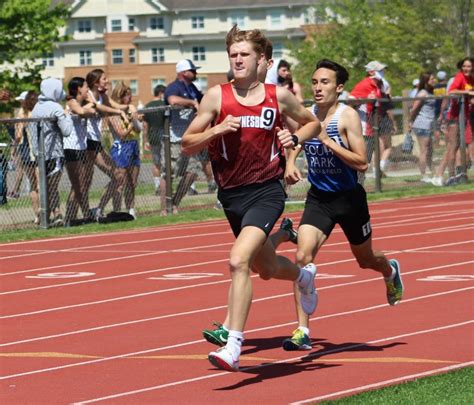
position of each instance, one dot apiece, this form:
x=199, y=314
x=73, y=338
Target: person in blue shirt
x=334, y=157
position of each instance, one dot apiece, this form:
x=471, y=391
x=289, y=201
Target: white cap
x=186, y=64
x=441, y=75
x=375, y=65
x=22, y=96
x=415, y=82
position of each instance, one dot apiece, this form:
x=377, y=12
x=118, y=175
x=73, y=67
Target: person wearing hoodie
x=56, y=126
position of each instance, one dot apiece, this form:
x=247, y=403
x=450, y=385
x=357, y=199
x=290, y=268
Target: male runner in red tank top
x=248, y=162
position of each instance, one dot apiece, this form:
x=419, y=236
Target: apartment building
x=140, y=41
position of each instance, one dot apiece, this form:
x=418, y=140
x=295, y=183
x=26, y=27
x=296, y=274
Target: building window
x=132, y=55
x=201, y=83
x=277, y=50
x=117, y=56
x=116, y=25
x=156, y=82
x=131, y=24
x=237, y=19
x=157, y=55
x=114, y=83
x=85, y=57
x=157, y=23
x=84, y=26
x=197, y=22
x=134, y=87
x=275, y=19
x=199, y=53
x=48, y=59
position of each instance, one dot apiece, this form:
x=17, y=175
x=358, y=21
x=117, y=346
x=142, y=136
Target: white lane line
x=269, y=364
x=157, y=349
x=382, y=383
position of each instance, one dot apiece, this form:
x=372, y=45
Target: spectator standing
x=285, y=79
x=26, y=159
x=414, y=89
x=439, y=90
x=422, y=121
x=184, y=93
x=463, y=84
x=75, y=149
x=125, y=151
x=369, y=87
x=98, y=87
x=53, y=133
x=153, y=130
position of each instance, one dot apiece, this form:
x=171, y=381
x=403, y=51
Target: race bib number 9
x=267, y=118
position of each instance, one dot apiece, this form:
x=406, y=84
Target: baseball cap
x=415, y=82
x=441, y=75
x=375, y=65
x=186, y=64
x=22, y=96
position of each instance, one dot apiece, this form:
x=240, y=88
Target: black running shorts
x=349, y=209
x=257, y=205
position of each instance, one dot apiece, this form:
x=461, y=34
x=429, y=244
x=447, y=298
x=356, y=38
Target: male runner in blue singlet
x=334, y=157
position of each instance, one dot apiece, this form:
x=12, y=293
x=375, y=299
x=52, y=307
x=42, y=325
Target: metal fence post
x=43, y=182
x=462, y=135
x=377, y=117
x=167, y=145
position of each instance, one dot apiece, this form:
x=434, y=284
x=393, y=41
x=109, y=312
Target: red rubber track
x=117, y=317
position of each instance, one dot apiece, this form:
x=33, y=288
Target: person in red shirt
x=245, y=143
x=370, y=87
x=463, y=84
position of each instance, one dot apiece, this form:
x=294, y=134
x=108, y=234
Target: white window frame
x=84, y=26
x=134, y=87
x=132, y=55
x=113, y=26
x=278, y=50
x=48, y=59
x=85, y=57
x=157, y=55
x=197, y=22
x=240, y=18
x=132, y=24
x=199, y=53
x=157, y=23
x=115, y=56
x=275, y=19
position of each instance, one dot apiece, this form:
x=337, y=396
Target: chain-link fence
x=137, y=169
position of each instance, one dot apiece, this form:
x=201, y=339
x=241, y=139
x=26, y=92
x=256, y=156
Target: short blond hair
x=255, y=37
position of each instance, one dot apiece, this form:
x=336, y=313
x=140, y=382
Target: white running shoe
x=437, y=181
x=309, y=295
x=426, y=179
x=223, y=359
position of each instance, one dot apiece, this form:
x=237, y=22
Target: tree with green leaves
x=28, y=30
x=410, y=36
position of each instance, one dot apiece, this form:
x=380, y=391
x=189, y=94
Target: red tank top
x=253, y=154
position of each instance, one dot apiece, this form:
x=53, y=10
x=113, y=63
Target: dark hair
x=73, y=87
x=31, y=99
x=342, y=75
x=461, y=62
x=93, y=77
x=424, y=79
x=268, y=50
x=159, y=88
x=230, y=75
x=283, y=63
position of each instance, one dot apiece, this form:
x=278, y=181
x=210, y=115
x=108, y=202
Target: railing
x=36, y=190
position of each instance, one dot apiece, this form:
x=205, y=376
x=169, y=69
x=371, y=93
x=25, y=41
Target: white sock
x=132, y=212
x=234, y=342
x=383, y=164
x=157, y=182
x=193, y=186
x=304, y=329
x=304, y=277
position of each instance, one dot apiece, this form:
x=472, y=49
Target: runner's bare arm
x=355, y=156
x=199, y=134
x=289, y=106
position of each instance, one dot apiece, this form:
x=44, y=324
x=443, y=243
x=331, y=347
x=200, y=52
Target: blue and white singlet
x=326, y=171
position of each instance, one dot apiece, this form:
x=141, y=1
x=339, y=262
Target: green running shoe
x=218, y=336
x=299, y=341
x=395, y=286
x=287, y=225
